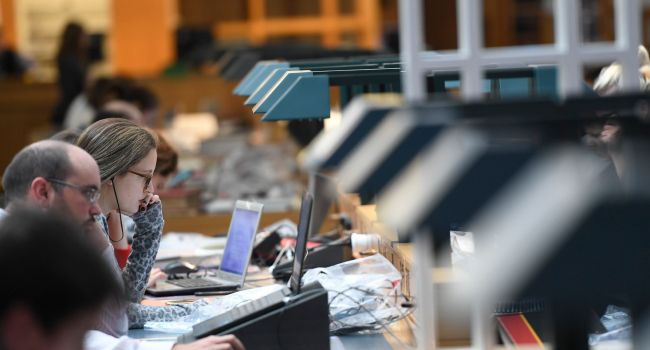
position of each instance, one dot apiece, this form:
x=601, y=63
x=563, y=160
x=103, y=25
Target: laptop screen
x=301, y=242
x=240, y=237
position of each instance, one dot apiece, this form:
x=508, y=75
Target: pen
x=219, y=292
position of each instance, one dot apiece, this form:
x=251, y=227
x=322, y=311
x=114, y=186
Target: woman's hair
x=609, y=81
x=71, y=42
x=117, y=145
x=167, y=158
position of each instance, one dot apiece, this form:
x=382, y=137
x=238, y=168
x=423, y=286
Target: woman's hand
x=212, y=342
x=149, y=199
x=156, y=275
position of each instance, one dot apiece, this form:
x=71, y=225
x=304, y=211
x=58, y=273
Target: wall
x=143, y=36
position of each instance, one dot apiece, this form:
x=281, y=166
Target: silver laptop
x=236, y=257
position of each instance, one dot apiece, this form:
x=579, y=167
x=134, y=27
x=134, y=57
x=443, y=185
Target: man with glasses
x=59, y=177
x=53, y=174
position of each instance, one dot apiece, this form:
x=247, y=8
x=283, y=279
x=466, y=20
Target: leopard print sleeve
x=146, y=240
x=140, y=314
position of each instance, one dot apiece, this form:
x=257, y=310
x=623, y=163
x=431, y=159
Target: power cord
x=382, y=324
x=119, y=212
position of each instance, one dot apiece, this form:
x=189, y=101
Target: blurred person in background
x=85, y=107
x=112, y=95
x=614, y=130
x=72, y=61
x=78, y=282
x=603, y=166
x=609, y=80
x=611, y=137
x=130, y=111
x=166, y=165
x=101, y=115
x=67, y=136
x=594, y=141
x=146, y=102
x=11, y=63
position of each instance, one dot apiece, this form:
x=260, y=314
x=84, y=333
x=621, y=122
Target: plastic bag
x=361, y=292
x=462, y=248
x=618, y=324
x=217, y=307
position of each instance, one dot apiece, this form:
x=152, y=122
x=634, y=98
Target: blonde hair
x=609, y=80
x=117, y=145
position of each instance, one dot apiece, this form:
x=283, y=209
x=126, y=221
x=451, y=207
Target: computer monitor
x=241, y=236
x=323, y=189
x=301, y=242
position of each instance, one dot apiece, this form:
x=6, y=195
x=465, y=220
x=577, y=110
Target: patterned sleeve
x=148, y=230
x=140, y=314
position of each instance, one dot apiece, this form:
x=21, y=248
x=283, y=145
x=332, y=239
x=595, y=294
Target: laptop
x=234, y=263
x=268, y=303
x=323, y=189
x=301, y=242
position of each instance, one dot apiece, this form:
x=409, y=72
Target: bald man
x=52, y=174
x=59, y=177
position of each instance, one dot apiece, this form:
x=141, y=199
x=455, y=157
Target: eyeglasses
x=147, y=177
x=92, y=193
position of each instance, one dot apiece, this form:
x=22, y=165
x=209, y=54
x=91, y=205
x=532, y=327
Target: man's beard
x=88, y=225
x=62, y=207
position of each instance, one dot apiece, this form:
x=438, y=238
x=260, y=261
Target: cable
x=119, y=212
x=386, y=299
x=379, y=322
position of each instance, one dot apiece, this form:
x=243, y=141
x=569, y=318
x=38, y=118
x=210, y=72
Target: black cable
x=119, y=212
x=379, y=323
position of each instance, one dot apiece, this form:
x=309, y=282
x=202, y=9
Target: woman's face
x=130, y=187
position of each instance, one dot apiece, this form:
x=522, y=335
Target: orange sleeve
x=122, y=255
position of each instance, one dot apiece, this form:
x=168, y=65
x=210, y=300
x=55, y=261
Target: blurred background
x=174, y=49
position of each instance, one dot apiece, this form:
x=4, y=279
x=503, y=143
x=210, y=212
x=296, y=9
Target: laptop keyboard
x=194, y=282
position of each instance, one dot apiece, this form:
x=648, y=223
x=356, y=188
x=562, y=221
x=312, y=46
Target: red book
x=519, y=331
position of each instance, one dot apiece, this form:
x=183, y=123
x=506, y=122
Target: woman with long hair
x=126, y=155
x=72, y=61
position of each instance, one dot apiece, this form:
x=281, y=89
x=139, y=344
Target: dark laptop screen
x=301, y=242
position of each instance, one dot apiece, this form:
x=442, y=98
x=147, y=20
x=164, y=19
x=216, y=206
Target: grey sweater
x=135, y=275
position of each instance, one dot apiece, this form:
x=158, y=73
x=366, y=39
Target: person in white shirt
x=59, y=177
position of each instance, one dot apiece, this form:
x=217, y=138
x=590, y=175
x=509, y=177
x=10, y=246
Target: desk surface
x=347, y=342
